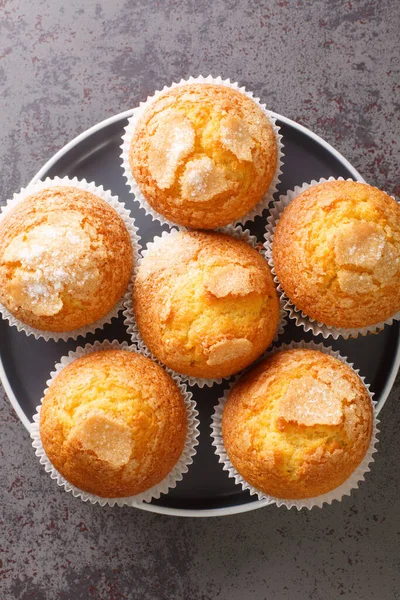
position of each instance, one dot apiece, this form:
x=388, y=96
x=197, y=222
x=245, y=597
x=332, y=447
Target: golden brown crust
x=203, y=155
x=298, y=424
x=113, y=423
x=65, y=259
x=336, y=251
x=205, y=303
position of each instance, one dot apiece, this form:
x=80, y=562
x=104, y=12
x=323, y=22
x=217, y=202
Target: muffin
x=203, y=155
x=205, y=303
x=336, y=253
x=66, y=258
x=113, y=423
x=298, y=424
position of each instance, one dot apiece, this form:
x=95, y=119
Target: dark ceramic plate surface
x=25, y=363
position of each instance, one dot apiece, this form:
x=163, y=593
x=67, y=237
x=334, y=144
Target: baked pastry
x=205, y=303
x=203, y=155
x=113, y=423
x=66, y=258
x=298, y=424
x=336, y=251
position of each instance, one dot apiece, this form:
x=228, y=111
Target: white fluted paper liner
x=300, y=318
x=129, y=222
x=137, y=113
x=174, y=476
x=130, y=322
x=344, y=489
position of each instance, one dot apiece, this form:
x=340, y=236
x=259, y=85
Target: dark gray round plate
x=25, y=363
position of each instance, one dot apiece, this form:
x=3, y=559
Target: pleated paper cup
x=344, y=489
x=237, y=232
x=174, y=476
x=129, y=222
x=138, y=112
x=300, y=318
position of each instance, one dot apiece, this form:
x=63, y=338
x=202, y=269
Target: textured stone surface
x=331, y=65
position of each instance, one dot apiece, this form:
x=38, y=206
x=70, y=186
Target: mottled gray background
x=331, y=65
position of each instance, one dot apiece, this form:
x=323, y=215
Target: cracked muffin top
x=298, y=424
x=65, y=259
x=336, y=251
x=205, y=303
x=113, y=423
x=203, y=155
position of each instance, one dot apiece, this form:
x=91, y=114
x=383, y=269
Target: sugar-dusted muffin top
x=205, y=303
x=336, y=251
x=298, y=424
x=113, y=423
x=203, y=155
x=65, y=259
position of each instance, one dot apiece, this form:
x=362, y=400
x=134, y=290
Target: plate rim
x=164, y=510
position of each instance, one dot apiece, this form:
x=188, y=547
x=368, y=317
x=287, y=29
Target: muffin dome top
x=113, y=423
x=203, y=155
x=65, y=259
x=205, y=303
x=336, y=251
x=298, y=424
